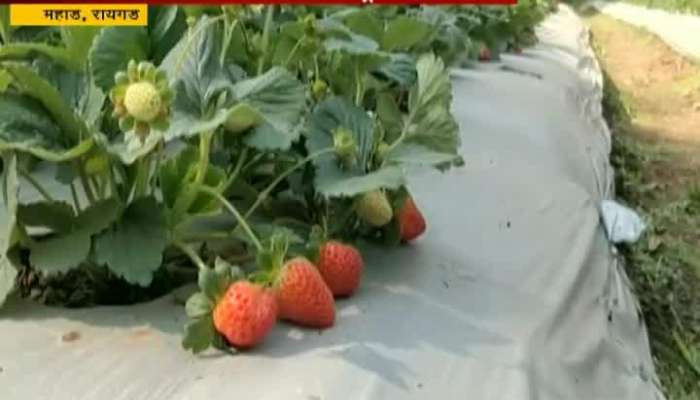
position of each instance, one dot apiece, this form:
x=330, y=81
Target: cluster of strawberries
x=302, y=293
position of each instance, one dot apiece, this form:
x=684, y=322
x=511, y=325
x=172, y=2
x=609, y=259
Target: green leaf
x=56, y=215
x=364, y=23
x=133, y=247
x=166, y=25
x=61, y=253
x=203, y=85
x=5, y=80
x=8, y=264
x=404, y=33
x=410, y=153
x=28, y=82
x=265, y=231
x=198, y=305
x=401, y=68
x=390, y=116
x=129, y=147
x=199, y=334
x=8, y=274
x=29, y=51
x=78, y=40
x=340, y=38
x=177, y=177
x=98, y=216
x=25, y=126
x=5, y=27
x=336, y=179
x=25, y=123
x=432, y=123
x=113, y=48
x=391, y=177
x=279, y=98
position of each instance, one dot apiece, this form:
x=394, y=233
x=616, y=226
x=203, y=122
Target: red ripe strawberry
x=245, y=314
x=411, y=221
x=302, y=295
x=341, y=266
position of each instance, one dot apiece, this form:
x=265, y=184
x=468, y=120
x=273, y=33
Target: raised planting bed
x=500, y=283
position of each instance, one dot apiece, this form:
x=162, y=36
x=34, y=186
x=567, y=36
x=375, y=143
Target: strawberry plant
x=243, y=141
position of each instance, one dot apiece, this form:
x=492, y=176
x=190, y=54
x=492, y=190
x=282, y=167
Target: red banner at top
x=290, y=2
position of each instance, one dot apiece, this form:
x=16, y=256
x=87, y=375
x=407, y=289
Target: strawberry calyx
x=200, y=332
x=345, y=146
x=141, y=99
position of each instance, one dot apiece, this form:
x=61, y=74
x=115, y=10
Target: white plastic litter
x=621, y=223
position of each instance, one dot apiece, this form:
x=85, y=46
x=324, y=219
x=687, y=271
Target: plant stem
x=86, y=185
x=236, y=170
x=293, y=52
x=97, y=187
x=358, y=84
x=159, y=158
x=142, y=173
x=35, y=184
x=204, y=148
x=402, y=136
x=241, y=220
x=266, y=37
x=196, y=259
x=74, y=195
x=266, y=192
x=227, y=40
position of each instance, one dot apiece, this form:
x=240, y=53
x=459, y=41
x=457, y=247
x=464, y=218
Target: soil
x=662, y=90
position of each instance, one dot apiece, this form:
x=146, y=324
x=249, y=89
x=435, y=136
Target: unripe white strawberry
x=374, y=208
x=143, y=101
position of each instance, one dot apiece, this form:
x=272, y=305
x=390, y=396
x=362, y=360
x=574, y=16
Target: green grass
x=664, y=266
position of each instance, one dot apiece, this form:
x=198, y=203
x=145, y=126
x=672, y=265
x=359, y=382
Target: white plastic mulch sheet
x=680, y=31
x=514, y=293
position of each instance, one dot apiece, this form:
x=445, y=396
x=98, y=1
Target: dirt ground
x=664, y=87
x=662, y=91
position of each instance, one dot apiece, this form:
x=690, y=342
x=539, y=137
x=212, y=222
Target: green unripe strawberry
x=382, y=149
x=318, y=89
x=143, y=101
x=374, y=208
x=345, y=146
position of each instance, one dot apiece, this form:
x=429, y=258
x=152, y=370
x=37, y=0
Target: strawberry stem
x=241, y=220
x=266, y=192
x=191, y=254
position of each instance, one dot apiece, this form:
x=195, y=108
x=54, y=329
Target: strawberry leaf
x=61, y=253
x=203, y=85
x=166, y=25
x=404, y=33
x=199, y=334
x=8, y=264
x=333, y=178
x=98, y=216
x=55, y=215
x=113, y=48
x=416, y=154
x=133, y=247
x=198, y=305
x=278, y=97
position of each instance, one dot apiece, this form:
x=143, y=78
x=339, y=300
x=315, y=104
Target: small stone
x=71, y=336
